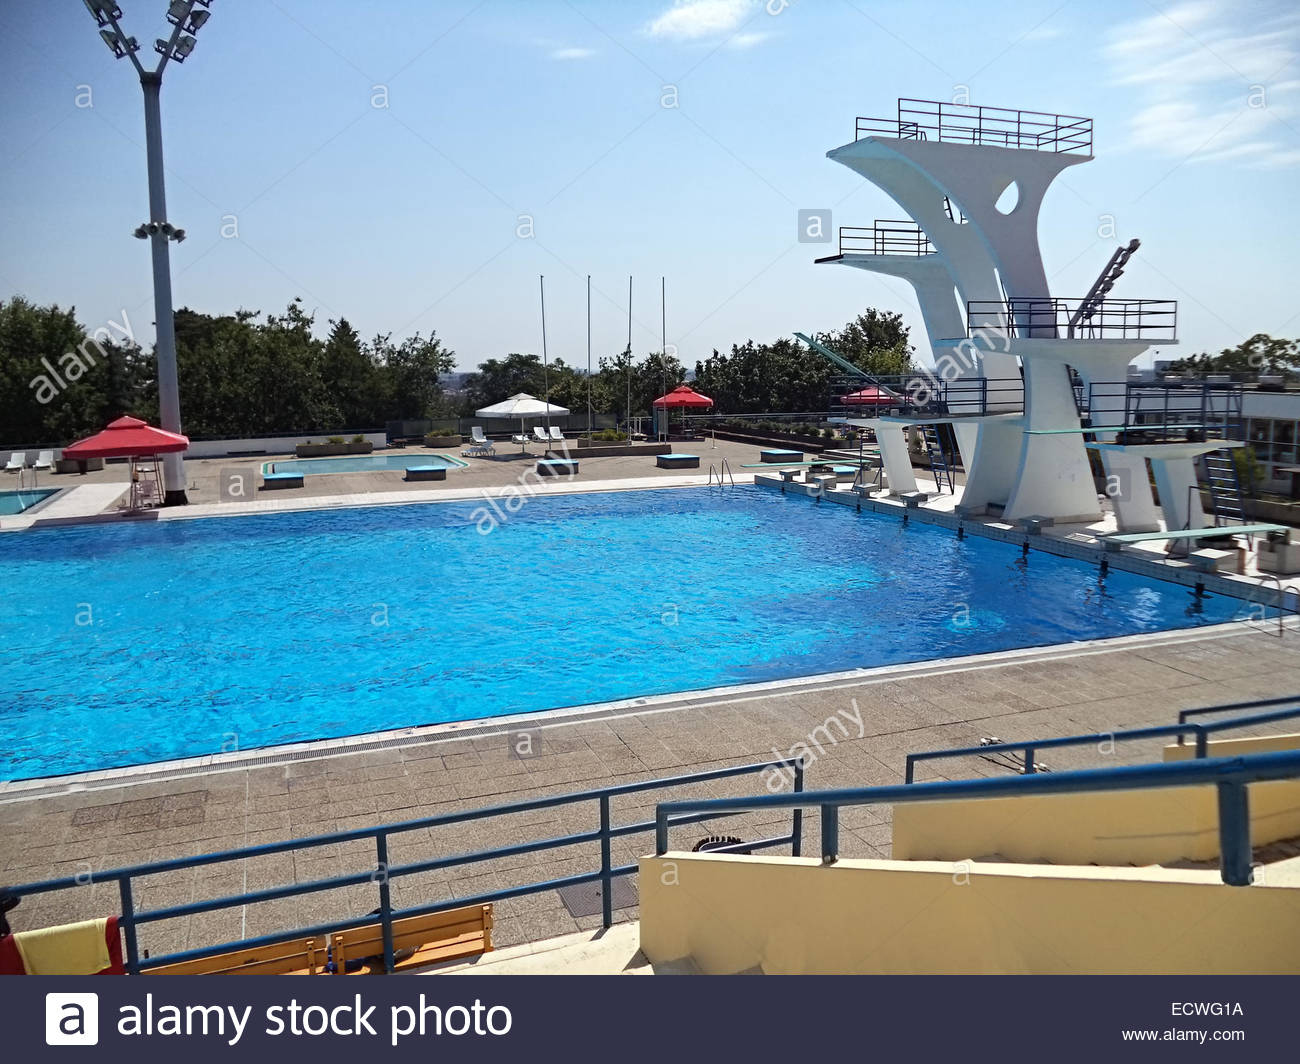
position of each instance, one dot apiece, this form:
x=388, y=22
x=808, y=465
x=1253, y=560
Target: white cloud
x=747, y=40
x=693, y=20
x=1204, y=82
x=572, y=53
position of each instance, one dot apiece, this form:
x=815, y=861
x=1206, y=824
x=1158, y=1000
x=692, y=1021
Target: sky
x=415, y=166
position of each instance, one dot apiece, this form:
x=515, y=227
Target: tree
x=1260, y=354
x=500, y=378
x=412, y=369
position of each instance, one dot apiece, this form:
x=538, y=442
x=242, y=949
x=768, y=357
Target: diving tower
x=1015, y=367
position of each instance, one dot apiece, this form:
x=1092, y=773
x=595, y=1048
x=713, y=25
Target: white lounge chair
x=479, y=443
x=539, y=434
x=44, y=460
x=556, y=435
x=17, y=461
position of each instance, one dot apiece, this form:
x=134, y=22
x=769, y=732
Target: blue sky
x=403, y=216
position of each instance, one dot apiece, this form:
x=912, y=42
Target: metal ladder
x=1225, y=489
x=939, y=464
x=725, y=468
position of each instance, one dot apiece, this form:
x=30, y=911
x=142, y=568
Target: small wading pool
x=132, y=643
x=369, y=463
x=16, y=502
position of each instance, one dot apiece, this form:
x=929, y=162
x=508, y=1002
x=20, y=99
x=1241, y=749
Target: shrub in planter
x=441, y=440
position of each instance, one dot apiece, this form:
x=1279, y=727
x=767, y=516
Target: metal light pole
x=185, y=22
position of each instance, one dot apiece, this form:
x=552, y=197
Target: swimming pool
x=135, y=643
x=16, y=502
x=364, y=463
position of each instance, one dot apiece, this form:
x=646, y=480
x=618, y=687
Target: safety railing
x=1104, y=319
x=1230, y=775
x=887, y=237
x=1184, y=715
x=1001, y=127
x=1031, y=747
x=382, y=874
x=1151, y=411
x=922, y=395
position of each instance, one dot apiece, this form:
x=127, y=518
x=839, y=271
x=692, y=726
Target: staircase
x=1226, y=504
x=939, y=464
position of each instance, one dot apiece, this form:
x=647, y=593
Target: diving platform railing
x=1229, y=775
x=1001, y=127
x=889, y=236
x=1166, y=411
x=1078, y=319
x=380, y=874
x=921, y=395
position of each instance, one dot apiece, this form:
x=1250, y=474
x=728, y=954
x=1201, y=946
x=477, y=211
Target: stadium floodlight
x=186, y=18
x=104, y=11
x=119, y=45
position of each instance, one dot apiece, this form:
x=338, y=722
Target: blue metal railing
x=1232, y=707
x=1230, y=775
x=383, y=873
x=1178, y=731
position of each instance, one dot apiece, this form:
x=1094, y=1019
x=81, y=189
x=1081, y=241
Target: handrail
x=1124, y=319
x=383, y=873
x=1002, y=127
x=1230, y=707
x=1032, y=746
x=1230, y=775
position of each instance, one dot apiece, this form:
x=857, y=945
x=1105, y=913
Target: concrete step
x=613, y=952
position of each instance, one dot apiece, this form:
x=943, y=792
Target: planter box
x=78, y=465
x=328, y=450
x=611, y=450
x=442, y=441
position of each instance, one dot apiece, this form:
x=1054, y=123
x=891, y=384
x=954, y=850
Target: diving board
x=1122, y=538
x=1110, y=428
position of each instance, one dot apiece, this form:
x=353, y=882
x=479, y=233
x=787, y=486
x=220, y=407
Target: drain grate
x=584, y=899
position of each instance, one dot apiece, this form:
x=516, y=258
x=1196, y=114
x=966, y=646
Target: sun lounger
x=481, y=444
x=44, y=460
x=17, y=461
x=539, y=434
x=556, y=435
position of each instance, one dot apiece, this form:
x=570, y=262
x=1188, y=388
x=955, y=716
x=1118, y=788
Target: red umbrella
x=871, y=396
x=682, y=396
x=127, y=437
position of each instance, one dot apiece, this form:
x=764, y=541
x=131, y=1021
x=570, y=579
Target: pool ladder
x=719, y=471
x=1282, y=592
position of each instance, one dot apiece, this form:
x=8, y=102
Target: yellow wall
x=1115, y=828
x=793, y=916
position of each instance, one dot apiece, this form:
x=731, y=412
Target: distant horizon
x=417, y=169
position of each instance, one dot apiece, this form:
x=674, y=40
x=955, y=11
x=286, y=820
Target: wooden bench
x=299, y=957
x=444, y=936
x=271, y=481
x=425, y=472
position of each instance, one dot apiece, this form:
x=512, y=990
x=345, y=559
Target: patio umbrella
x=683, y=397
x=129, y=437
x=521, y=406
x=872, y=396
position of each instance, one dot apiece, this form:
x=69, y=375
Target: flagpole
x=546, y=373
x=589, y=430
x=629, y=357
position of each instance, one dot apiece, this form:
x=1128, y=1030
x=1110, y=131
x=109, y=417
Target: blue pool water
x=364, y=463
x=16, y=502
x=134, y=643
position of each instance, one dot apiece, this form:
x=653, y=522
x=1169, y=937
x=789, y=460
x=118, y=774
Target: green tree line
x=252, y=374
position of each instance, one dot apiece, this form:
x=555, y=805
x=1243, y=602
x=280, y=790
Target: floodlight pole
x=169, y=396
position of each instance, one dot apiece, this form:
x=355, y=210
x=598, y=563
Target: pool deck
x=78, y=825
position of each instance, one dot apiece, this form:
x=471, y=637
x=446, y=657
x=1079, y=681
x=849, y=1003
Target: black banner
x=257, y=1018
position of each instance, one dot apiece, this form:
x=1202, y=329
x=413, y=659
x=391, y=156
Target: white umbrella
x=521, y=406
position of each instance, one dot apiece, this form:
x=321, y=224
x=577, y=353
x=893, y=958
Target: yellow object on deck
x=70, y=949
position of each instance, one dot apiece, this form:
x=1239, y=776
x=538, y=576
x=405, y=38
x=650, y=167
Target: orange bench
x=444, y=936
